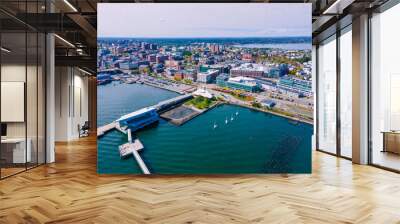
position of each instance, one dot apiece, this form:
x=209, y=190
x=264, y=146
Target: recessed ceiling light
x=5, y=50
x=64, y=40
x=86, y=72
x=70, y=5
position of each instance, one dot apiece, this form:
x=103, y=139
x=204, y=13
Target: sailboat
x=231, y=117
x=226, y=120
x=237, y=113
x=215, y=125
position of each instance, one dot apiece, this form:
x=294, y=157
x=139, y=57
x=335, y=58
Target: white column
x=360, y=90
x=50, y=98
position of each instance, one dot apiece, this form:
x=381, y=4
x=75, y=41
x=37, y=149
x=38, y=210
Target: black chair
x=84, y=130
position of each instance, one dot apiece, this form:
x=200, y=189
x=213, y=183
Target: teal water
x=254, y=142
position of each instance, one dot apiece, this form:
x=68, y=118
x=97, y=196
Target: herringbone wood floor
x=70, y=191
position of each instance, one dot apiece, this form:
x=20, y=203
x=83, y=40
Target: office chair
x=84, y=130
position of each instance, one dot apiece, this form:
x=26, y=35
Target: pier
x=132, y=147
x=140, y=162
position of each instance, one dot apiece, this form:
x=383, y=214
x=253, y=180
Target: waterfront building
x=249, y=70
x=221, y=68
x=268, y=103
x=222, y=79
x=138, y=119
x=238, y=83
x=297, y=86
x=243, y=83
x=267, y=84
x=207, y=77
x=128, y=65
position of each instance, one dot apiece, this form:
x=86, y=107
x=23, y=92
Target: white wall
x=71, y=102
x=33, y=126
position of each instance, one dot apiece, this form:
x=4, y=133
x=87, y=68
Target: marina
x=135, y=121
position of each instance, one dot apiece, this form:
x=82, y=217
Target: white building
x=207, y=77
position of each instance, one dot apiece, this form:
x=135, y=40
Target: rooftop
x=203, y=92
x=251, y=67
x=243, y=80
x=135, y=113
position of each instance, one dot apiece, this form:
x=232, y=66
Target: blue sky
x=203, y=20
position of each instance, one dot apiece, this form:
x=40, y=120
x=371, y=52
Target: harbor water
x=226, y=139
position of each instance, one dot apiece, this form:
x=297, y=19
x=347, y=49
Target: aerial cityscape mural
x=204, y=88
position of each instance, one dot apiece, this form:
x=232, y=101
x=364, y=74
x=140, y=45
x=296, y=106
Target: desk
x=18, y=150
x=391, y=141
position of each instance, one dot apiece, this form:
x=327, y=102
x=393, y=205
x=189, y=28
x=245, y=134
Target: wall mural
x=204, y=88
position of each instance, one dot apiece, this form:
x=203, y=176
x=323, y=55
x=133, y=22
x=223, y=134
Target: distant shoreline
x=272, y=37
x=271, y=112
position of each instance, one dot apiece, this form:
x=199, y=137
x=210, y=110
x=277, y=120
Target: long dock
x=108, y=127
x=137, y=146
x=140, y=162
x=133, y=147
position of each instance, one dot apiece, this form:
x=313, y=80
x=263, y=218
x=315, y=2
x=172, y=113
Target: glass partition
x=385, y=89
x=41, y=97
x=14, y=145
x=31, y=99
x=346, y=92
x=22, y=88
x=327, y=95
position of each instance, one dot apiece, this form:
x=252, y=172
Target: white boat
x=231, y=118
x=215, y=125
x=226, y=120
x=237, y=113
